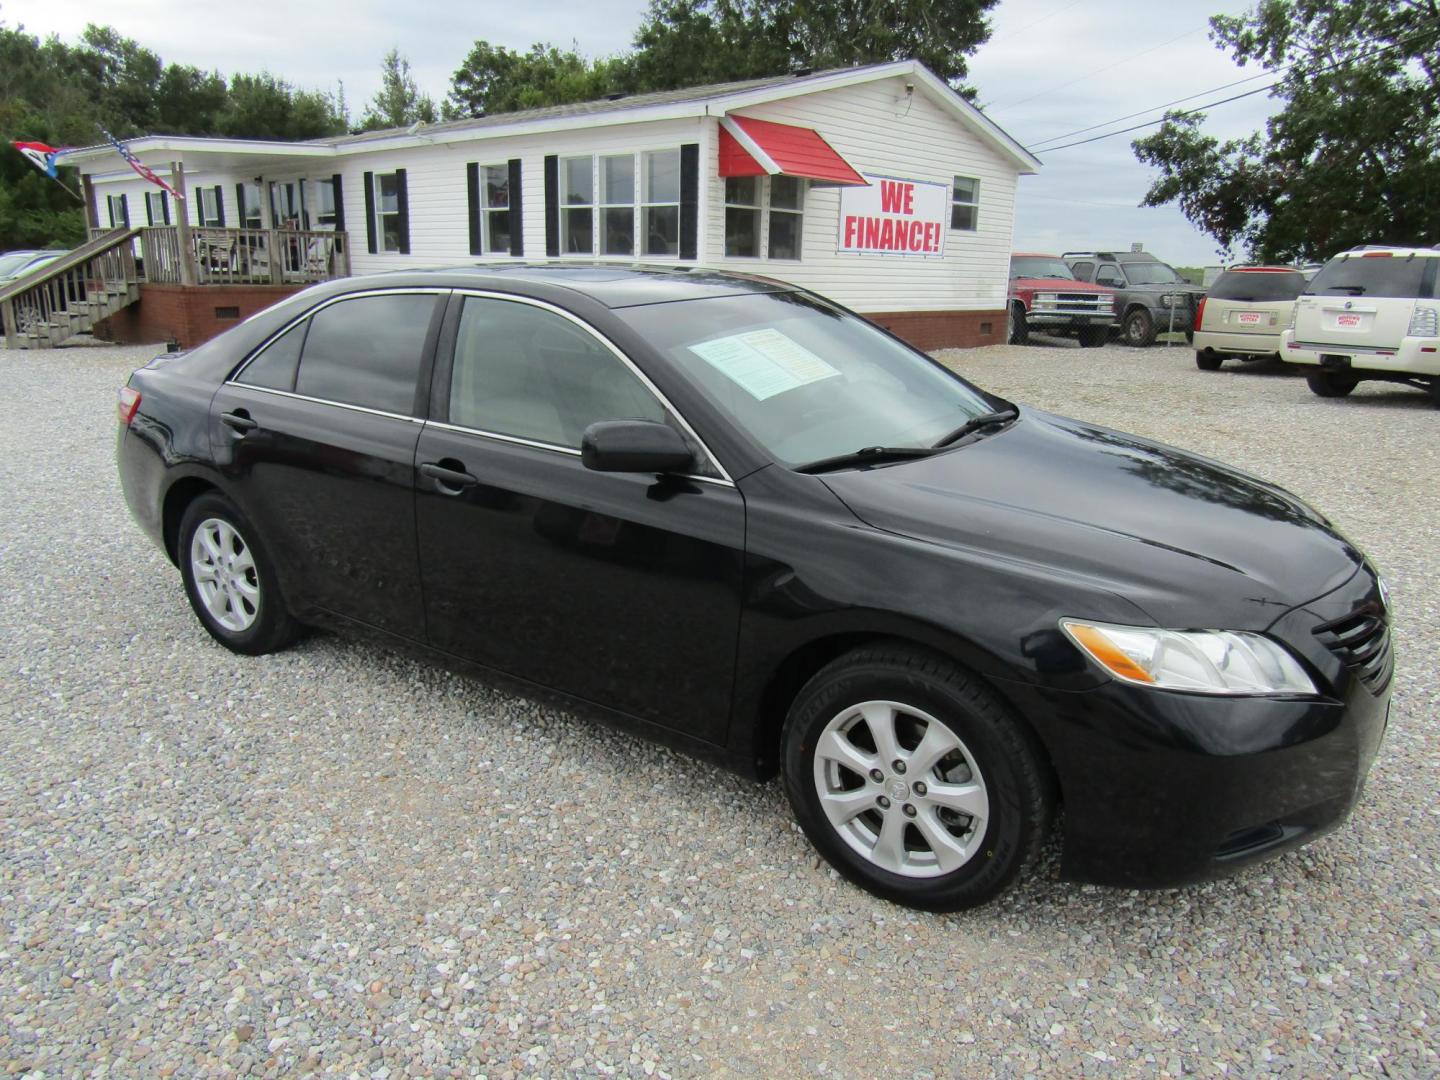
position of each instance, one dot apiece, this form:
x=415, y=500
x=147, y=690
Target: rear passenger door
x=316, y=435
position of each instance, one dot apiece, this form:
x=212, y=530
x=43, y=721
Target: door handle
x=450, y=481
x=239, y=420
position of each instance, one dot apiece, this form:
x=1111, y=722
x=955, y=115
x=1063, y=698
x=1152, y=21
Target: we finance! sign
x=892, y=216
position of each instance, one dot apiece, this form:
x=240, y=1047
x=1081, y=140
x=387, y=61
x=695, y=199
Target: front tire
x=230, y=581
x=1092, y=337
x=1138, y=329
x=1330, y=383
x=1017, y=330
x=911, y=778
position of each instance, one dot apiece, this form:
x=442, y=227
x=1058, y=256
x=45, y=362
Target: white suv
x=1372, y=313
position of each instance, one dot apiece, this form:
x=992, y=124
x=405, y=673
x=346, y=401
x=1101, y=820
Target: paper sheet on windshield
x=763, y=363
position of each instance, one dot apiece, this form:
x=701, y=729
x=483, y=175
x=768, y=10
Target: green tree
x=494, y=79
x=398, y=102
x=265, y=107
x=1351, y=156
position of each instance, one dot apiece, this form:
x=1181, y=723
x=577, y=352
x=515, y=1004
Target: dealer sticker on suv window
x=764, y=363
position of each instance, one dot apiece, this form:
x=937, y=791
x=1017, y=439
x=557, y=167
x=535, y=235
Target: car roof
x=613, y=285
x=1381, y=250
x=1113, y=256
x=1032, y=255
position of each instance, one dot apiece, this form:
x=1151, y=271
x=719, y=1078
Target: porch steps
x=72, y=294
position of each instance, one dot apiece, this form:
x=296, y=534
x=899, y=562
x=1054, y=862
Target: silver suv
x=1150, y=296
x=1372, y=313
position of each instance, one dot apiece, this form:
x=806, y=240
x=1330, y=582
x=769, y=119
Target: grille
x=1362, y=642
x=1082, y=298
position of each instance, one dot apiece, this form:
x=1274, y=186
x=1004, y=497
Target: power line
x=1035, y=147
x=1152, y=123
x=1081, y=78
x=1031, y=25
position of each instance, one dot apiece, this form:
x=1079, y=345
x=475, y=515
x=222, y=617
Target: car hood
x=1057, y=285
x=1192, y=542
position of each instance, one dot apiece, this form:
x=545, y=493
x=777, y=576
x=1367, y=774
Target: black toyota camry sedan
x=731, y=515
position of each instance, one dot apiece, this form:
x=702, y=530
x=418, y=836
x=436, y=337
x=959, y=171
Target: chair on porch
x=215, y=252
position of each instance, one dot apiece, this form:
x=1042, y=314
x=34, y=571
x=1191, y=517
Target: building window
x=495, y=208
x=742, y=217
x=617, y=205
x=787, y=215
x=387, y=212
x=965, y=203
x=577, y=205
x=660, y=202
x=326, y=212
x=207, y=206
x=119, y=211
x=156, y=210
x=250, y=213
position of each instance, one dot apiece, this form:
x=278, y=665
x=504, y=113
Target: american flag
x=138, y=166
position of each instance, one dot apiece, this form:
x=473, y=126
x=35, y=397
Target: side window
x=526, y=372
x=1108, y=275
x=274, y=368
x=367, y=351
x=1083, y=270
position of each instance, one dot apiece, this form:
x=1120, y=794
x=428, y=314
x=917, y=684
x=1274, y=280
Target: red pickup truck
x=1046, y=297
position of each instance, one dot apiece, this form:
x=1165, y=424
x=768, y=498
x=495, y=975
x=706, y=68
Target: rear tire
x=1092, y=337
x=1138, y=329
x=962, y=801
x=1206, y=360
x=1330, y=383
x=1017, y=330
x=229, y=579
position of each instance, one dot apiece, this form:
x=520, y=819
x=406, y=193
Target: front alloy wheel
x=225, y=576
x=913, y=779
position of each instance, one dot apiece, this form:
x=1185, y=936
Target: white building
x=877, y=186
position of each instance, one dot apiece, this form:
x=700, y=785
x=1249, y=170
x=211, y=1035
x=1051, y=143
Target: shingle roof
x=616, y=103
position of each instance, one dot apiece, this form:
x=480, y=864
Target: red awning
x=751, y=147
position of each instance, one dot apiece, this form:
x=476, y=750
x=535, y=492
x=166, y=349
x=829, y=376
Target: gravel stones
x=337, y=860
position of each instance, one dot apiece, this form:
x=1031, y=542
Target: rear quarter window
x=1257, y=286
x=1357, y=275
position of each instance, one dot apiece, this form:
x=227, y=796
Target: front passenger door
x=622, y=589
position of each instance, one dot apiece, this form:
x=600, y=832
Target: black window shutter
x=240, y=207
x=125, y=210
x=149, y=215
x=552, y=205
x=219, y=206
x=339, y=188
x=690, y=201
x=165, y=206
x=402, y=200
x=472, y=197
x=370, y=211
x=517, y=235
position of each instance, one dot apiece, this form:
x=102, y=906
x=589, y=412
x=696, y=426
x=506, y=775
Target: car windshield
x=804, y=380
x=1372, y=275
x=1038, y=266
x=1151, y=273
x=1258, y=286
x=12, y=263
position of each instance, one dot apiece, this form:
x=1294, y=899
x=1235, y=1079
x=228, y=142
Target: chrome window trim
x=619, y=355
x=326, y=401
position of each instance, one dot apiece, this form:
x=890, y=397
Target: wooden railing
x=67, y=295
x=224, y=256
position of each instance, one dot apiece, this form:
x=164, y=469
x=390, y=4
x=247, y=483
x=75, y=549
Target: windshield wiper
x=975, y=423
x=866, y=455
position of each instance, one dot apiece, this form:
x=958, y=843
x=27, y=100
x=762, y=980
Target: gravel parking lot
x=338, y=860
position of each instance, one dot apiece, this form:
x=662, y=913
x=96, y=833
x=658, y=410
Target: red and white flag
x=41, y=156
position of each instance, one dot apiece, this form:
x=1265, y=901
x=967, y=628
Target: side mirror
x=635, y=446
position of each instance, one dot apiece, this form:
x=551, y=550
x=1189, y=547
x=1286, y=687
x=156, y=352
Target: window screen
x=367, y=351
x=274, y=368
x=529, y=373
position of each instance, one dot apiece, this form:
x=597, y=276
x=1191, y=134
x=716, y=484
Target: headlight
x=1047, y=297
x=1201, y=661
x=1170, y=300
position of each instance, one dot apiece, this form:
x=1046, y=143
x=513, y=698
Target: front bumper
x=1245, y=344
x=1413, y=356
x=1069, y=319
x=1163, y=788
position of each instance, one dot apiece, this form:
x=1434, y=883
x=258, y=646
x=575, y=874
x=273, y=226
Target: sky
x=1050, y=67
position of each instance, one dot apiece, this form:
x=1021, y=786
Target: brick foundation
x=188, y=314
x=944, y=329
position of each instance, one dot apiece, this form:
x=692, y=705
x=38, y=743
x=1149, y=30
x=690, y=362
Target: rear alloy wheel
x=1017, y=330
x=1331, y=383
x=913, y=780
x=1206, y=360
x=1138, y=329
x=229, y=580
x=1092, y=337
